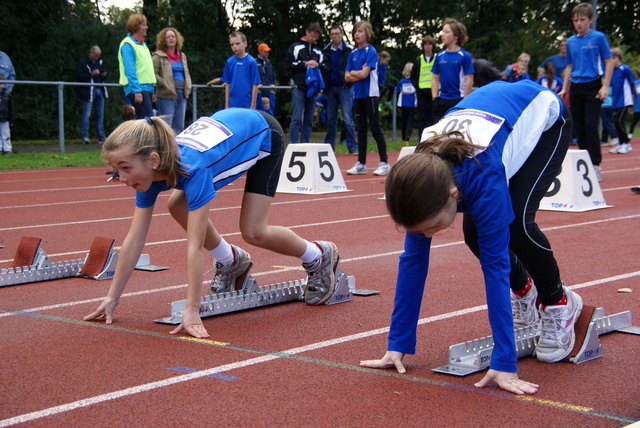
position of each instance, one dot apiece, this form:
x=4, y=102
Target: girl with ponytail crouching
x=492, y=157
x=209, y=154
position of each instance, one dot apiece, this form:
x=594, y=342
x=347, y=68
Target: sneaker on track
x=358, y=169
x=558, y=335
x=624, y=149
x=615, y=148
x=321, y=274
x=525, y=311
x=382, y=169
x=227, y=275
x=598, y=172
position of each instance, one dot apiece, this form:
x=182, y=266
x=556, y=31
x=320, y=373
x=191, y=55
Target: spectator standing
x=636, y=106
x=7, y=117
x=361, y=71
x=339, y=92
x=586, y=52
x=136, y=67
x=623, y=91
x=421, y=79
x=407, y=102
x=267, y=79
x=559, y=60
x=91, y=69
x=606, y=116
x=240, y=75
x=7, y=70
x=549, y=79
x=384, y=58
x=173, y=81
x=452, y=70
x=304, y=57
x=510, y=73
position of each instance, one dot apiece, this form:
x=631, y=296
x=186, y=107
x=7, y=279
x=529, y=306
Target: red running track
x=293, y=365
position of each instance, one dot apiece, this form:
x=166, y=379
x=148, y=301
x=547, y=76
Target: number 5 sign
x=576, y=187
x=310, y=169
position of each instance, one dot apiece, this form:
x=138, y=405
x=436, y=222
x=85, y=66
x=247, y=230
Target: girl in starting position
x=211, y=153
x=492, y=157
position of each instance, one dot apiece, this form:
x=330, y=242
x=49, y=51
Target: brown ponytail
x=418, y=185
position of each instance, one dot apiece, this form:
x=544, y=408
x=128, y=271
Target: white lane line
x=252, y=361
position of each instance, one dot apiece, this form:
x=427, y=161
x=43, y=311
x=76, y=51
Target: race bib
x=478, y=127
x=204, y=134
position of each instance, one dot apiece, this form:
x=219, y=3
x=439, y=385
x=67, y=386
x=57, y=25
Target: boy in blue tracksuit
x=587, y=52
x=623, y=92
x=492, y=157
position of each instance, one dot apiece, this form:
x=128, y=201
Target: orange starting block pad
x=475, y=355
x=31, y=263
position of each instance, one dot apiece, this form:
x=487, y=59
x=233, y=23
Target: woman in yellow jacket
x=173, y=82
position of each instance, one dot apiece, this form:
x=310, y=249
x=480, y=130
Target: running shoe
x=624, y=149
x=598, y=172
x=382, y=169
x=558, y=335
x=358, y=169
x=321, y=274
x=614, y=149
x=636, y=189
x=227, y=275
x=525, y=312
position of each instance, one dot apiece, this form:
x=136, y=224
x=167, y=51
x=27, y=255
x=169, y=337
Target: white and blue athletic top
x=586, y=54
x=215, y=151
x=452, y=67
x=358, y=58
x=622, y=86
x=508, y=119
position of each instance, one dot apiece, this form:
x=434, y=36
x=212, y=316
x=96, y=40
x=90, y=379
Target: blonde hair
x=418, y=185
x=406, y=72
x=142, y=138
x=617, y=52
x=583, y=9
x=161, y=39
x=134, y=21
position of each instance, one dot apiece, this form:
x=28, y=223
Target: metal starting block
x=475, y=355
x=250, y=296
x=31, y=263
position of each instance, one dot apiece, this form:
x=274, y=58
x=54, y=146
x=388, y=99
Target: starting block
x=31, y=263
x=310, y=169
x=249, y=295
x=475, y=355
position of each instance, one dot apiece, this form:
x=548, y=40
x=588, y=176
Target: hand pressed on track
x=192, y=324
x=390, y=360
x=104, y=311
x=509, y=382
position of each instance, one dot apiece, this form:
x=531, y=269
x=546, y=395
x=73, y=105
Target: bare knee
x=255, y=236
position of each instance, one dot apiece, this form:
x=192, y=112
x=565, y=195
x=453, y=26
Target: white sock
x=312, y=253
x=222, y=253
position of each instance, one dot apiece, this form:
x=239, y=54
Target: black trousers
x=530, y=251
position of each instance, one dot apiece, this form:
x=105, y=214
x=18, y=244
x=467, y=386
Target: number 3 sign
x=576, y=187
x=310, y=169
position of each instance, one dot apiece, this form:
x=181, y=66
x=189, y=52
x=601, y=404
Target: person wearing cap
x=267, y=79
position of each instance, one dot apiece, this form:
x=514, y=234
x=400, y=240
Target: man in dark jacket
x=267, y=79
x=338, y=91
x=90, y=69
x=301, y=55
